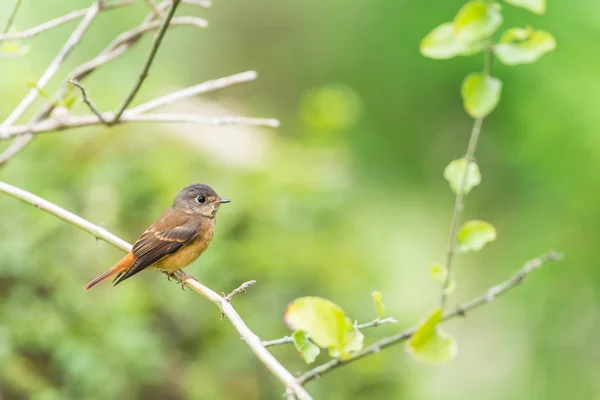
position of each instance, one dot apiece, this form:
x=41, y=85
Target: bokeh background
x=346, y=197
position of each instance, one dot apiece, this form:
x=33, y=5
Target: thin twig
x=277, y=342
x=73, y=15
x=198, y=3
x=490, y=295
x=225, y=306
x=373, y=324
x=241, y=289
x=155, y=45
x=88, y=101
x=459, y=201
x=205, y=87
x=12, y=16
x=377, y=322
x=51, y=125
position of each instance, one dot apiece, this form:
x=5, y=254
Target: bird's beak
x=222, y=200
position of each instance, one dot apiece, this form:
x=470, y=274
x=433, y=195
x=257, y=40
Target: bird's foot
x=186, y=277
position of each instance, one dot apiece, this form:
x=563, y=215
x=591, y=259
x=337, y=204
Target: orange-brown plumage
x=179, y=236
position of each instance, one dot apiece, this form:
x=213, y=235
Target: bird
x=177, y=238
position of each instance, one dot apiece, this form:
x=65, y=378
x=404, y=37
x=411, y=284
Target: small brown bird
x=175, y=240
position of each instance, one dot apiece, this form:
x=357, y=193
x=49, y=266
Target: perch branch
x=221, y=302
x=490, y=295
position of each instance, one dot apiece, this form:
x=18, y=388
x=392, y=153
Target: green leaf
x=477, y=20
x=442, y=43
x=323, y=320
x=481, y=94
x=439, y=273
x=378, y=301
x=307, y=350
x=455, y=173
x=473, y=235
x=536, y=6
x=430, y=345
x=523, y=46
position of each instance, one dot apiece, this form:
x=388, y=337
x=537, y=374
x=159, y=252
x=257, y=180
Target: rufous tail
x=124, y=264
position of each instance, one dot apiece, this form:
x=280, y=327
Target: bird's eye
x=201, y=199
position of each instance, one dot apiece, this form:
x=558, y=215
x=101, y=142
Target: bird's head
x=199, y=199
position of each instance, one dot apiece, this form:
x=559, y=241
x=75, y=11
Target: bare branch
x=205, y=87
x=490, y=295
x=155, y=45
x=73, y=15
x=54, y=65
x=50, y=125
x=199, y=3
x=222, y=303
x=116, y=48
x=88, y=101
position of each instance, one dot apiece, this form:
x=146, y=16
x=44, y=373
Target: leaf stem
x=459, y=201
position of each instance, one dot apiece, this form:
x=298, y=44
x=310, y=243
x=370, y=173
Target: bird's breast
x=188, y=254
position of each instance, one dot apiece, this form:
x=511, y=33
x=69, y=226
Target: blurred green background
x=346, y=197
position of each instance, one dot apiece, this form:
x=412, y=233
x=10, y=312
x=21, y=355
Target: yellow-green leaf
x=443, y=43
x=378, y=302
x=10, y=49
x=455, y=173
x=473, y=235
x=536, y=6
x=307, y=350
x=428, y=344
x=439, y=273
x=481, y=94
x=322, y=319
x=523, y=46
x=477, y=20
x=354, y=343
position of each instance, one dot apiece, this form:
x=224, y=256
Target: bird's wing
x=156, y=243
